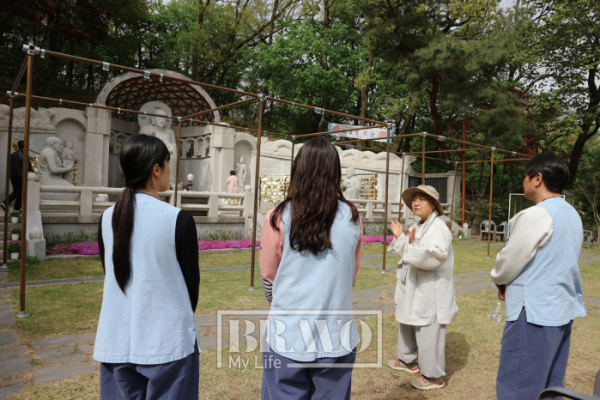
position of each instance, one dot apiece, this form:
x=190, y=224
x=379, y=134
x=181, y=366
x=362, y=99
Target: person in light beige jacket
x=425, y=298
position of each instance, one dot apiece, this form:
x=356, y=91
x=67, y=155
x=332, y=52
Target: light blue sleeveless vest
x=153, y=323
x=321, y=284
x=549, y=287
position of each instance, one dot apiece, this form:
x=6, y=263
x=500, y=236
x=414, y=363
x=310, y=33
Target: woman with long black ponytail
x=147, y=342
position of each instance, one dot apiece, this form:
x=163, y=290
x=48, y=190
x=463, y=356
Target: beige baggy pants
x=425, y=345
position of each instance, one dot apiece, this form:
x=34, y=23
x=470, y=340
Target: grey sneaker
x=400, y=365
x=423, y=383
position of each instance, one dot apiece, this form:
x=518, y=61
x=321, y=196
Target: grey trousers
x=425, y=345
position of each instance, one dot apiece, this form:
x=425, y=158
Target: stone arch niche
x=72, y=125
x=131, y=91
x=245, y=147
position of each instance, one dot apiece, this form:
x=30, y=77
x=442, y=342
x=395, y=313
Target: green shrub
x=70, y=238
x=14, y=247
x=15, y=231
x=15, y=213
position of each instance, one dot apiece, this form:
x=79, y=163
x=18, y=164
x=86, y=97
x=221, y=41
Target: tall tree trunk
x=437, y=126
x=364, y=93
x=589, y=127
x=196, y=43
x=270, y=42
x=324, y=64
x=407, y=121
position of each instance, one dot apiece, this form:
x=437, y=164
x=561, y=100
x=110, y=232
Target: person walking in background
x=310, y=254
x=537, y=273
x=16, y=176
x=232, y=183
x=425, y=298
x=146, y=341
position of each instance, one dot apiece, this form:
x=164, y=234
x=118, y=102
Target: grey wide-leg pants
x=425, y=345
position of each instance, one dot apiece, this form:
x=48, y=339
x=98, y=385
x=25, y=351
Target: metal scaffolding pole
x=7, y=186
x=490, y=213
x=401, y=188
x=387, y=189
x=177, y=163
x=423, y=161
x=464, y=172
x=453, y=191
x=256, y=180
x=30, y=53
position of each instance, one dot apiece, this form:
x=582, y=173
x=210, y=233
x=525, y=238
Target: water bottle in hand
x=497, y=311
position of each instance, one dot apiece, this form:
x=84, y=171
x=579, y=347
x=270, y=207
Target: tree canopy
x=523, y=77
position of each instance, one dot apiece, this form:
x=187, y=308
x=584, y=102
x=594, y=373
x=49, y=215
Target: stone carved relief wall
x=41, y=119
x=365, y=160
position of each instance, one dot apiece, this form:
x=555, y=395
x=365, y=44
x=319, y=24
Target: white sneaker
x=423, y=383
x=400, y=365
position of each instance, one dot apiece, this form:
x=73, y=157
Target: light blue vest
x=153, y=323
x=321, y=285
x=549, y=287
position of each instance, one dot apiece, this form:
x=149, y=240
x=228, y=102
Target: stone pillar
x=36, y=244
x=105, y=154
x=222, y=158
x=33, y=192
x=96, y=147
x=213, y=204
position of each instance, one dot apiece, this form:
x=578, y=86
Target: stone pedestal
x=36, y=244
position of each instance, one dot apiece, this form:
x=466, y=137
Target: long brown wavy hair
x=314, y=195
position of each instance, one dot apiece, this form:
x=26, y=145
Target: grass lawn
x=472, y=349
x=59, y=269
x=74, y=308
x=59, y=310
x=92, y=267
x=589, y=276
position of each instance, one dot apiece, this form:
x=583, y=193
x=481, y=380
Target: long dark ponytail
x=139, y=156
x=314, y=194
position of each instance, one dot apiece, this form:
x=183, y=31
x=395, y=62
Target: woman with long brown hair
x=310, y=254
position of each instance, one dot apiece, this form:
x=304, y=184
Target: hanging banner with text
x=363, y=134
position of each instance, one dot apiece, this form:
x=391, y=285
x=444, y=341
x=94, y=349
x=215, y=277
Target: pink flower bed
x=91, y=248
x=228, y=244
x=376, y=239
x=84, y=248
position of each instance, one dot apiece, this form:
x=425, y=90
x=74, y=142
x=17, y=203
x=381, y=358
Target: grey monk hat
x=408, y=194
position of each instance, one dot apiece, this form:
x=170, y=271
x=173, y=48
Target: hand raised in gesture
x=396, y=228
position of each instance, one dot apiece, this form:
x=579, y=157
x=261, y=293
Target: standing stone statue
x=241, y=169
x=53, y=171
x=158, y=128
x=351, y=186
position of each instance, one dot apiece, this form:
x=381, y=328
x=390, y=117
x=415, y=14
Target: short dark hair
x=232, y=172
x=554, y=170
x=21, y=144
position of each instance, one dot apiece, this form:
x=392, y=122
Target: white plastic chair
x=502, y=230
x=485, y=227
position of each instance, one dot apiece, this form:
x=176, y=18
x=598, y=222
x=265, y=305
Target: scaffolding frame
x=27, y=66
